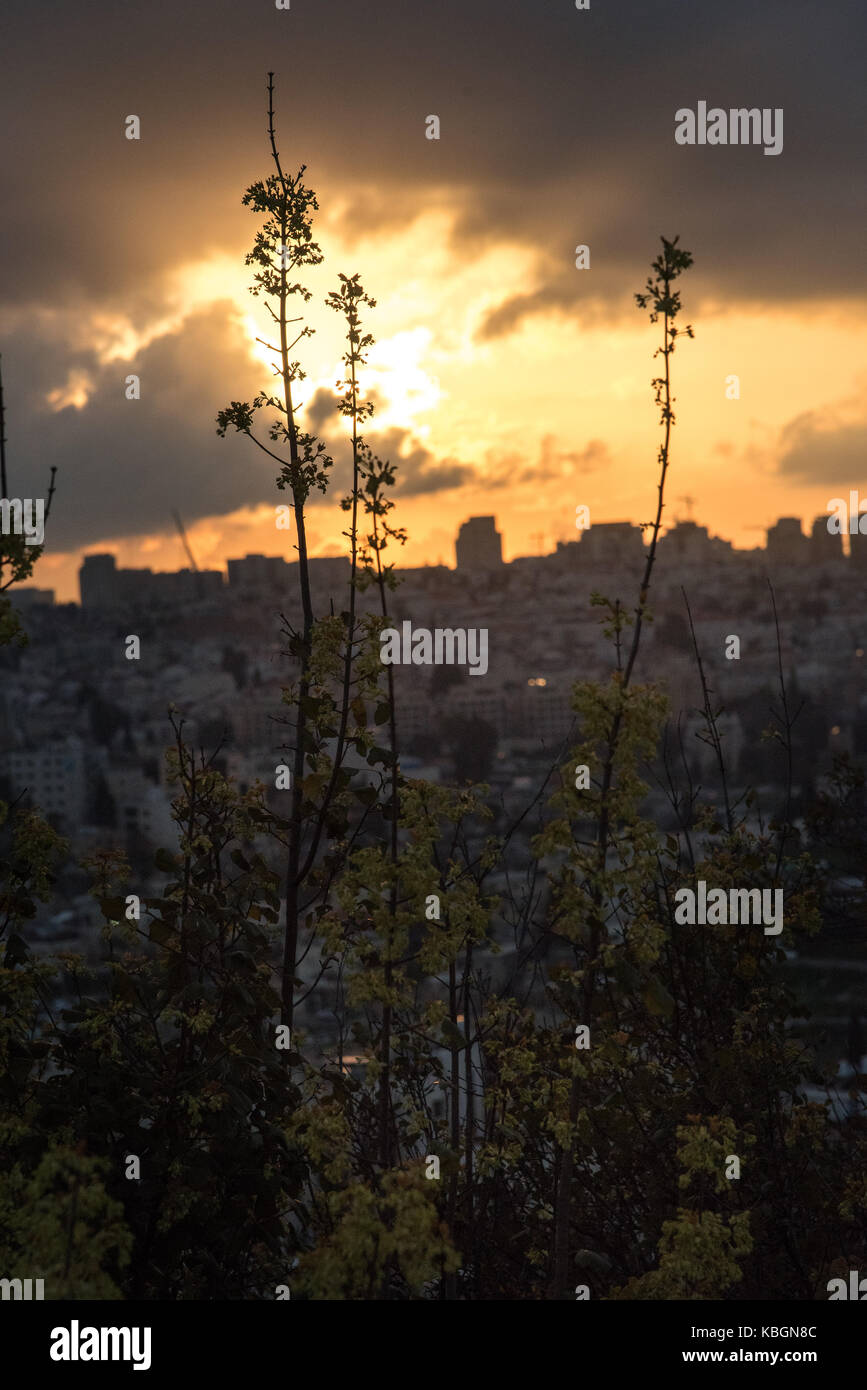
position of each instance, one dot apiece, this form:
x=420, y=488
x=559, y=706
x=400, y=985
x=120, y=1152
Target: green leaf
x=657, y=999
x=452, y=1035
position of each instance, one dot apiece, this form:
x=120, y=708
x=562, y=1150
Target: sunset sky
x=507, y=381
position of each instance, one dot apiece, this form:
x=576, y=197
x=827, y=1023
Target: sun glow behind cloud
x=396, y=375
x=75, y=393
x=493, y=404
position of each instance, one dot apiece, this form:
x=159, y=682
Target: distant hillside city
x=84, y=730
x=478, y=549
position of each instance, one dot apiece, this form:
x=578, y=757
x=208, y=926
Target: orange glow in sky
x=551, y=416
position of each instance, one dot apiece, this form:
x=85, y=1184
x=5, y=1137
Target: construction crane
x=183, y=535
x=689, y=504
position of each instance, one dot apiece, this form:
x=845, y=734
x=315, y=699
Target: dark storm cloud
x=817, y=447
x=417, y=470
x=123, y=465
x=321, y=410
x=554, y=462
x=557, y=129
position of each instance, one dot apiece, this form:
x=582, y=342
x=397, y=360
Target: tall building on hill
x=825, y=546
x=328, y=570
x=103, y=585
x=97, y=581
x=610, y=544
x=28, y=597
x=257, y=572
x=479, y=545
x=858, y=544
x=686, y=543
x=786, y=542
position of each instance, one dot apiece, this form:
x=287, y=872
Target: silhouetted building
x=826, y=547
x=612, y=544
x=858, y=544
x=103, y=585
x=787, y=544
x=179, y=586
x=329, y=577
x=479, y=545
x=134, y=587
x=54, y=776
x=568, y=553
x=330, y=571
x=258, y=572
x=97, y=581
x=686, y=543
x=29, y=597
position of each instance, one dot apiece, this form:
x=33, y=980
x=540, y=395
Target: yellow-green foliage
x=699, y=1251
x=60, y=1225
x=698, y=1258
x=393, y=1232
